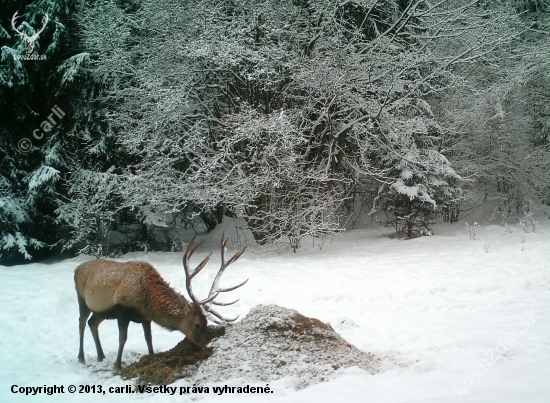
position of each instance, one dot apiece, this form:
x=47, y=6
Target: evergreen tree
x=28, y=172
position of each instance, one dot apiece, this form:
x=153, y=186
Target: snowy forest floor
x=463, y=320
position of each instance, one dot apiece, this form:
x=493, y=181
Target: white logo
x=29, y=40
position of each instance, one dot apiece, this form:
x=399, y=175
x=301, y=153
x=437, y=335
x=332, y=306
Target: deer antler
x=35, y=35
x=41, y=29
x=13, y=23
x=189, y=275
x=215, y=290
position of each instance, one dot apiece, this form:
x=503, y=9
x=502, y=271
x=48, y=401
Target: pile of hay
x=270, y=343
x=167, y=367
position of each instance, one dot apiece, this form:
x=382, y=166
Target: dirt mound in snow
x=271, y=342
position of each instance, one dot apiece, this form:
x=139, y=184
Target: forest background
x=137, y=122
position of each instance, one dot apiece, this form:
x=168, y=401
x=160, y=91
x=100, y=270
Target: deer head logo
x=29, y=40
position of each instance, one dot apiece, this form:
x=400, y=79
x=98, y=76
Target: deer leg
x=148, y=338
x=94, y=322
x=84, y=314
x=123, y=323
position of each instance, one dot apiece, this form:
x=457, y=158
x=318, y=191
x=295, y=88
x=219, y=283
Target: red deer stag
x=135, y=292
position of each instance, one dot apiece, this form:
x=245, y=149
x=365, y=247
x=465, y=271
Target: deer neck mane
x=164, y=305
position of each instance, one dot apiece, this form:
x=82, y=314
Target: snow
x=464, y=320
x=43, y=175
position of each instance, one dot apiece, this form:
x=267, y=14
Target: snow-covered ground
x=462, y=320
